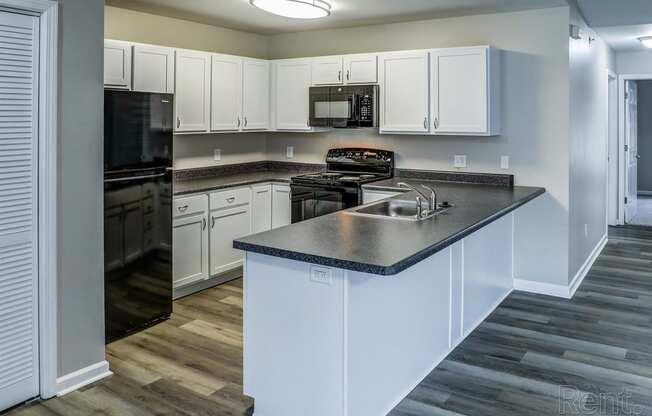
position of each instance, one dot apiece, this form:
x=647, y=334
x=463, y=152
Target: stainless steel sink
x=395, y=209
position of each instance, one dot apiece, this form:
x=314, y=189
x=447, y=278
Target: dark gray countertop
x=207, y=184
x=384, y=246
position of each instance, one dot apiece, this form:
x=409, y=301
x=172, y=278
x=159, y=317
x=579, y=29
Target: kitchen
x=257, y=181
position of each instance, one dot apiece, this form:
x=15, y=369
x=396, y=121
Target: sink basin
x=394, y=209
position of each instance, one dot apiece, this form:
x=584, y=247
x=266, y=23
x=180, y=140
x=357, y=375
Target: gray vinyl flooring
x=535, y=355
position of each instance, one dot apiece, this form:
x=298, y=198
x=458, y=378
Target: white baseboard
x=82, y=377
x=562, y=291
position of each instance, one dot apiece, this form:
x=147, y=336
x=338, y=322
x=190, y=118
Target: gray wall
x=535, y=115
x=634, y=62
x=81, y=280
x=645, y=135
x=588, y=143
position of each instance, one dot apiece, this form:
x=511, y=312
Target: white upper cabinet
x=192, y=100
x=327, y=70
x=255, y=93
x=464, y=91
x=153, y=69
x=361, y=69
x=117, y=64
x=226, y=93
x=290, y=88
x=404, y=92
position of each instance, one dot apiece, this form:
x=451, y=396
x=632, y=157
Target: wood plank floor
x=535, y=355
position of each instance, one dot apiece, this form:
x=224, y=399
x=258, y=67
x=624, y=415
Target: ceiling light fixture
x=295, y=9
x=646, y=41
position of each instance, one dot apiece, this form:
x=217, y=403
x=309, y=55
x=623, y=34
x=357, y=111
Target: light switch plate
x=289, y=152
x=217, y=155
x=323, y=275
x=504, y=162
x=460, y=161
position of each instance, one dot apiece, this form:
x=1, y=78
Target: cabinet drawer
x=230, y=198
x=190, y=205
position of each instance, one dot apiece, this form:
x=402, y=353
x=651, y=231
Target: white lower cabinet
x=227, y=225
x=190, y=240
x=261, y=207
x=281, y=205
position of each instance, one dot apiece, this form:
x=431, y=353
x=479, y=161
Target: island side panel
x=488, y=271
x=293, y=337
x=398, y=330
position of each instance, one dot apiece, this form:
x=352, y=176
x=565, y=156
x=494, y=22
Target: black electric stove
x=339, y=187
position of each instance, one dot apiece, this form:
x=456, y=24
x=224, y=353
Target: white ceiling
x=239, y=14
x=619, y=22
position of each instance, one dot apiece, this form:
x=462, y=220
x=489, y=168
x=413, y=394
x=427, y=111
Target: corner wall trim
x=82, y=377
x=562, y=291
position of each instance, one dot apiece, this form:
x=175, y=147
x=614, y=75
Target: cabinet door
x=327, y=70
x=226, y=93
x=361, y=69
x=404, y=92
x=291, y=94
x=227, y=225
x=255, y=109
x=459, y=95
x=281, y=206
x=134, y=231
x=190, y=252
x=261, y=208
x=192, y=100
x=117, y=64
x=114, y=239
x=153, y=69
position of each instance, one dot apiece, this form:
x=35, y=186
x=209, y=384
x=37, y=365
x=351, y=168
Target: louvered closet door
x=18, y=209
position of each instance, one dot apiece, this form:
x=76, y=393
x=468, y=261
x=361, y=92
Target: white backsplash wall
x=196, y=151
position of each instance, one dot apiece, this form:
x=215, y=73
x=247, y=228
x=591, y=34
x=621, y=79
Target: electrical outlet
x=504, y=162
x=459, y=161
x=217, y=155
x=289, y=152
x=322, y=275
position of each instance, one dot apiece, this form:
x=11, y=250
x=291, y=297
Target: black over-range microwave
x=348, y=106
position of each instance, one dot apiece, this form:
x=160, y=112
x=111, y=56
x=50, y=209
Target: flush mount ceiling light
x=295, y=9
x=646, y=41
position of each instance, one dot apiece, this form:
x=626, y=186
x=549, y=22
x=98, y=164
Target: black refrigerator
x=138, y=130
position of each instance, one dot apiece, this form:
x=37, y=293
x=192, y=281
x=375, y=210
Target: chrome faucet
x=432, y=199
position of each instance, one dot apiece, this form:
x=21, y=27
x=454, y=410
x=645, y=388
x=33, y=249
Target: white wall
x=588, y=142
x=535, y=114
x=193, y=151
x=81, y=278
x=634, y=62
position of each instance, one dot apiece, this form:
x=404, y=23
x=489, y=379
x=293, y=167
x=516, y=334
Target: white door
x=291, y=91
x=459, y=91
x=192, y=84
x=117, y=64
x=153, y=69
x=190, y=254
x=19, y=376
x=361, y=69
x=281, y=206
x=404, y=92
x=255, y=108
x=226, y=93
x=227, y=225
x=261, y=208
x=327, y=70
x=631, y=155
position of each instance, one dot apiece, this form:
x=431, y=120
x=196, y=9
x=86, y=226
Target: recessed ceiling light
x=646, y=41
x=295, y=9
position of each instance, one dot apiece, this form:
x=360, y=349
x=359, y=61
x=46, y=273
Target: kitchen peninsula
x=345, y=314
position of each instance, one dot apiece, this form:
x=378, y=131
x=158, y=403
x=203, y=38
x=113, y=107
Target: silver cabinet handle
x=230, y=200
x=436, y=123
x=425, y=123
x=307, y=123
x=178, y=122
x=246, y=122
x=339, y=75
x=238, y=121
x=348, y=74
x=183, y=208
x=203, y=223
x=213, y=222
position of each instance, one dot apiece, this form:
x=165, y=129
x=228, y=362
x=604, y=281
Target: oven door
x=310, y=201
